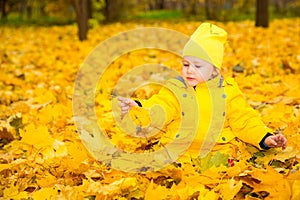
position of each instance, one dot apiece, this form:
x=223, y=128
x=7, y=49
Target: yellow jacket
x=222, y=113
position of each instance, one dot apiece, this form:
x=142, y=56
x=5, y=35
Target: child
x=202, y=60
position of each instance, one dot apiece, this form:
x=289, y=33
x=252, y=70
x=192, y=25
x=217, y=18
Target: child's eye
x=186, y=65
x=198, y=66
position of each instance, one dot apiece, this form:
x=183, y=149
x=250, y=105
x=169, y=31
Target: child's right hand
x=276, y=141
x=126, y=104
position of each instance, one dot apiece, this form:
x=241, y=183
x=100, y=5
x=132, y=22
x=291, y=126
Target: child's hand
x=276, y=141
x=126, y=104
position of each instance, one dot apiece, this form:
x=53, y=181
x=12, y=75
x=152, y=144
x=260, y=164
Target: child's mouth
x=189, y=78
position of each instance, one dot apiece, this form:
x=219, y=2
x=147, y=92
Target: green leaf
x=210, y=160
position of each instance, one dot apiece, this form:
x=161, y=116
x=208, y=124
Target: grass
x=14, y=19
x=225, y=15
x=160, y=15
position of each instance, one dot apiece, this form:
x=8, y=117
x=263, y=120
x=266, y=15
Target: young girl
x=202, y=60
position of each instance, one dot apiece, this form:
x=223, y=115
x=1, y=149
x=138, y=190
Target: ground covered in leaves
x=42, y=156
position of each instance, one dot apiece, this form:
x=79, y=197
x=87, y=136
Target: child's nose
x=190, y=69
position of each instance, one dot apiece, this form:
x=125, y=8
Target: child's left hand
x=276, y=141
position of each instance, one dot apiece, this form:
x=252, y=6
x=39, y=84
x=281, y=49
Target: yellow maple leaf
x=153, y=190
x=186, y=189
x=272, y=182
x=140, y=116
x=45, y=180
x=296, y=190
x=45, y=115
x=4, y=166
x=208, y=194
x=45, y=193
x=77, y=154
x=13, y=192
x=39, y=136
x=283, y=155
x=44, y=96
x=230, y=188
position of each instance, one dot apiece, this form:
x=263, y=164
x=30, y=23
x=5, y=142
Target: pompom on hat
x=207, y=43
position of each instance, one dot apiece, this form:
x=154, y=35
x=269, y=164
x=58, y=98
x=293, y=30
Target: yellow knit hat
x=207, y=43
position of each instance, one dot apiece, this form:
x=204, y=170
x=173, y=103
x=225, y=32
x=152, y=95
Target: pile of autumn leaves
x=42, y=156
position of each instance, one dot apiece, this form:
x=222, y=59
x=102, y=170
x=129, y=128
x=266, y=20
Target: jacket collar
x=213, y=83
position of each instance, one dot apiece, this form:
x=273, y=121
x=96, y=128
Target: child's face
x=196, y=70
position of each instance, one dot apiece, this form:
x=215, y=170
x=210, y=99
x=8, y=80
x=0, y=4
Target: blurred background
x=87, y=13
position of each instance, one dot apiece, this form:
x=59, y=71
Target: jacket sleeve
x=244, y=120
x=162, y=105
